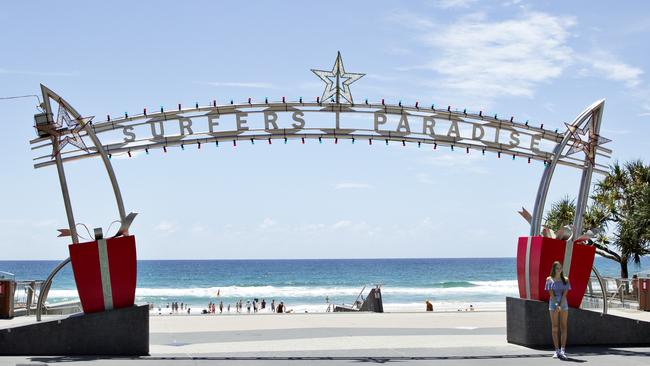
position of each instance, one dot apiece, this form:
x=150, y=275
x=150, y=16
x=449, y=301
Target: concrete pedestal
x=122, y=332
x=528, y=324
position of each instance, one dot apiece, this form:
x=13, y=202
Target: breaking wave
x=439, y=289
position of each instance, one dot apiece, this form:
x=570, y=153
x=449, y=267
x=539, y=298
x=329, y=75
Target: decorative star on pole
x=337, y=81
x=588, y=145
x=74, y=126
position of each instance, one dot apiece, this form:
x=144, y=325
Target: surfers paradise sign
x=333, y=116
x=324, y=118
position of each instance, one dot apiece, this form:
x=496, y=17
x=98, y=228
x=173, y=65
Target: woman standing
x=558, y=286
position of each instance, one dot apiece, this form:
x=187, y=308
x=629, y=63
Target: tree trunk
x=624, y=272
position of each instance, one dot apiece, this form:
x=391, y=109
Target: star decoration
x=587, y=145
x=73, y=126
x=337, y=81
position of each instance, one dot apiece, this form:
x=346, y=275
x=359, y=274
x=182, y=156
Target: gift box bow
x=99, y=232
x=565, y=233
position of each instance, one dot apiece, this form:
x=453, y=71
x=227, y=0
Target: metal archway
x=471, y=131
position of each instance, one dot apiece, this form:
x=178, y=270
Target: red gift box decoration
x=105, y=273
x=543, y=252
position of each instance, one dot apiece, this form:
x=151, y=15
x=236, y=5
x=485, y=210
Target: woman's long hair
x=555, y=264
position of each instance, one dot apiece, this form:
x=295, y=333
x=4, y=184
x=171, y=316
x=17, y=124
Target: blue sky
x=542, y=61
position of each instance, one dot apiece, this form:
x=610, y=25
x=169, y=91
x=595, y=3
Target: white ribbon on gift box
x=104, y=269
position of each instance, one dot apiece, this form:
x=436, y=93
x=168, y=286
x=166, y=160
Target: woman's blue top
x=558, y=286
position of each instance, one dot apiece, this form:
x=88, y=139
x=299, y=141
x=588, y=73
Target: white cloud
x=446, y=4
x=460, y=161
x=352, y=185
x=238, y=84
x=480, y=59
x=606, y=66
x=166, y=227
x=484, y=57
x=342, y=224
x=410, y=20
x=267, y=223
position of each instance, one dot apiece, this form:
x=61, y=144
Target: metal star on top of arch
x=335, y=86
x=74, y=127
x=588, y=145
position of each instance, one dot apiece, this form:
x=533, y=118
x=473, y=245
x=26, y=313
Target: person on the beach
x=280, y=308
x=263, y=303
x=221, y=307
x=248, y=306
x=558, y=286
x=273, y=305
x=255, y=305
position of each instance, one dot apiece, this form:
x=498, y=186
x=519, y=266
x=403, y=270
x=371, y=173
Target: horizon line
x=270, y=259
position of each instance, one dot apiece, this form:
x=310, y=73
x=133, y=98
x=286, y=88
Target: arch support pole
x=595, y=112
x=47, y=94
x=585, y=187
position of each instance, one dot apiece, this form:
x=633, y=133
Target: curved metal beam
x=603, y=288
x=48, y=93
x=583, y=195
x=45, y=288
x=545, y=182
x=542, y=190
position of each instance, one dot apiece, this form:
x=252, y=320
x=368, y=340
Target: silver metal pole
x=585, y=186
x=603, y=288
x=47, y=93
x=45, y=288
x=64, y=191
x=595, y=110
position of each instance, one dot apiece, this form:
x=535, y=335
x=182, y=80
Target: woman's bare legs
x=564, y=326
x=555, y=320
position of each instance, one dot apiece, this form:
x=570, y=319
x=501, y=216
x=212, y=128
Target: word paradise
x=383, y=124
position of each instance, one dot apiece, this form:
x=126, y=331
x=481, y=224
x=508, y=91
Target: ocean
x=308, y=284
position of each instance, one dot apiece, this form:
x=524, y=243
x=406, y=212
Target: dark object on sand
x=373, y=302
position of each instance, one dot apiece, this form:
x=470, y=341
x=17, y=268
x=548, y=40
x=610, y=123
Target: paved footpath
x=476, y=338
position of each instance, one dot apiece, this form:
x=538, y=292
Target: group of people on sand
x=173, y=308
x=255, y=305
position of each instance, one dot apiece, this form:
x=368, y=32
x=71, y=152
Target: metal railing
x=612, y=292
x=26, y=295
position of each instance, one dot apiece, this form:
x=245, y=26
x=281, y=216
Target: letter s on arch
x=129, y=134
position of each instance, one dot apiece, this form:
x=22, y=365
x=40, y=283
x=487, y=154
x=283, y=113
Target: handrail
x=603, y=289
x=357, y=299
x=45, y=288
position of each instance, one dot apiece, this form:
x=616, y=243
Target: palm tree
x=562, y=213
x=621, y=205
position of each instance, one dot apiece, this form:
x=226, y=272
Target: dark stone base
x=528, y=324
x=123, y=332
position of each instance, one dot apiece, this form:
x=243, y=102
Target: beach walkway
x=463, y=338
